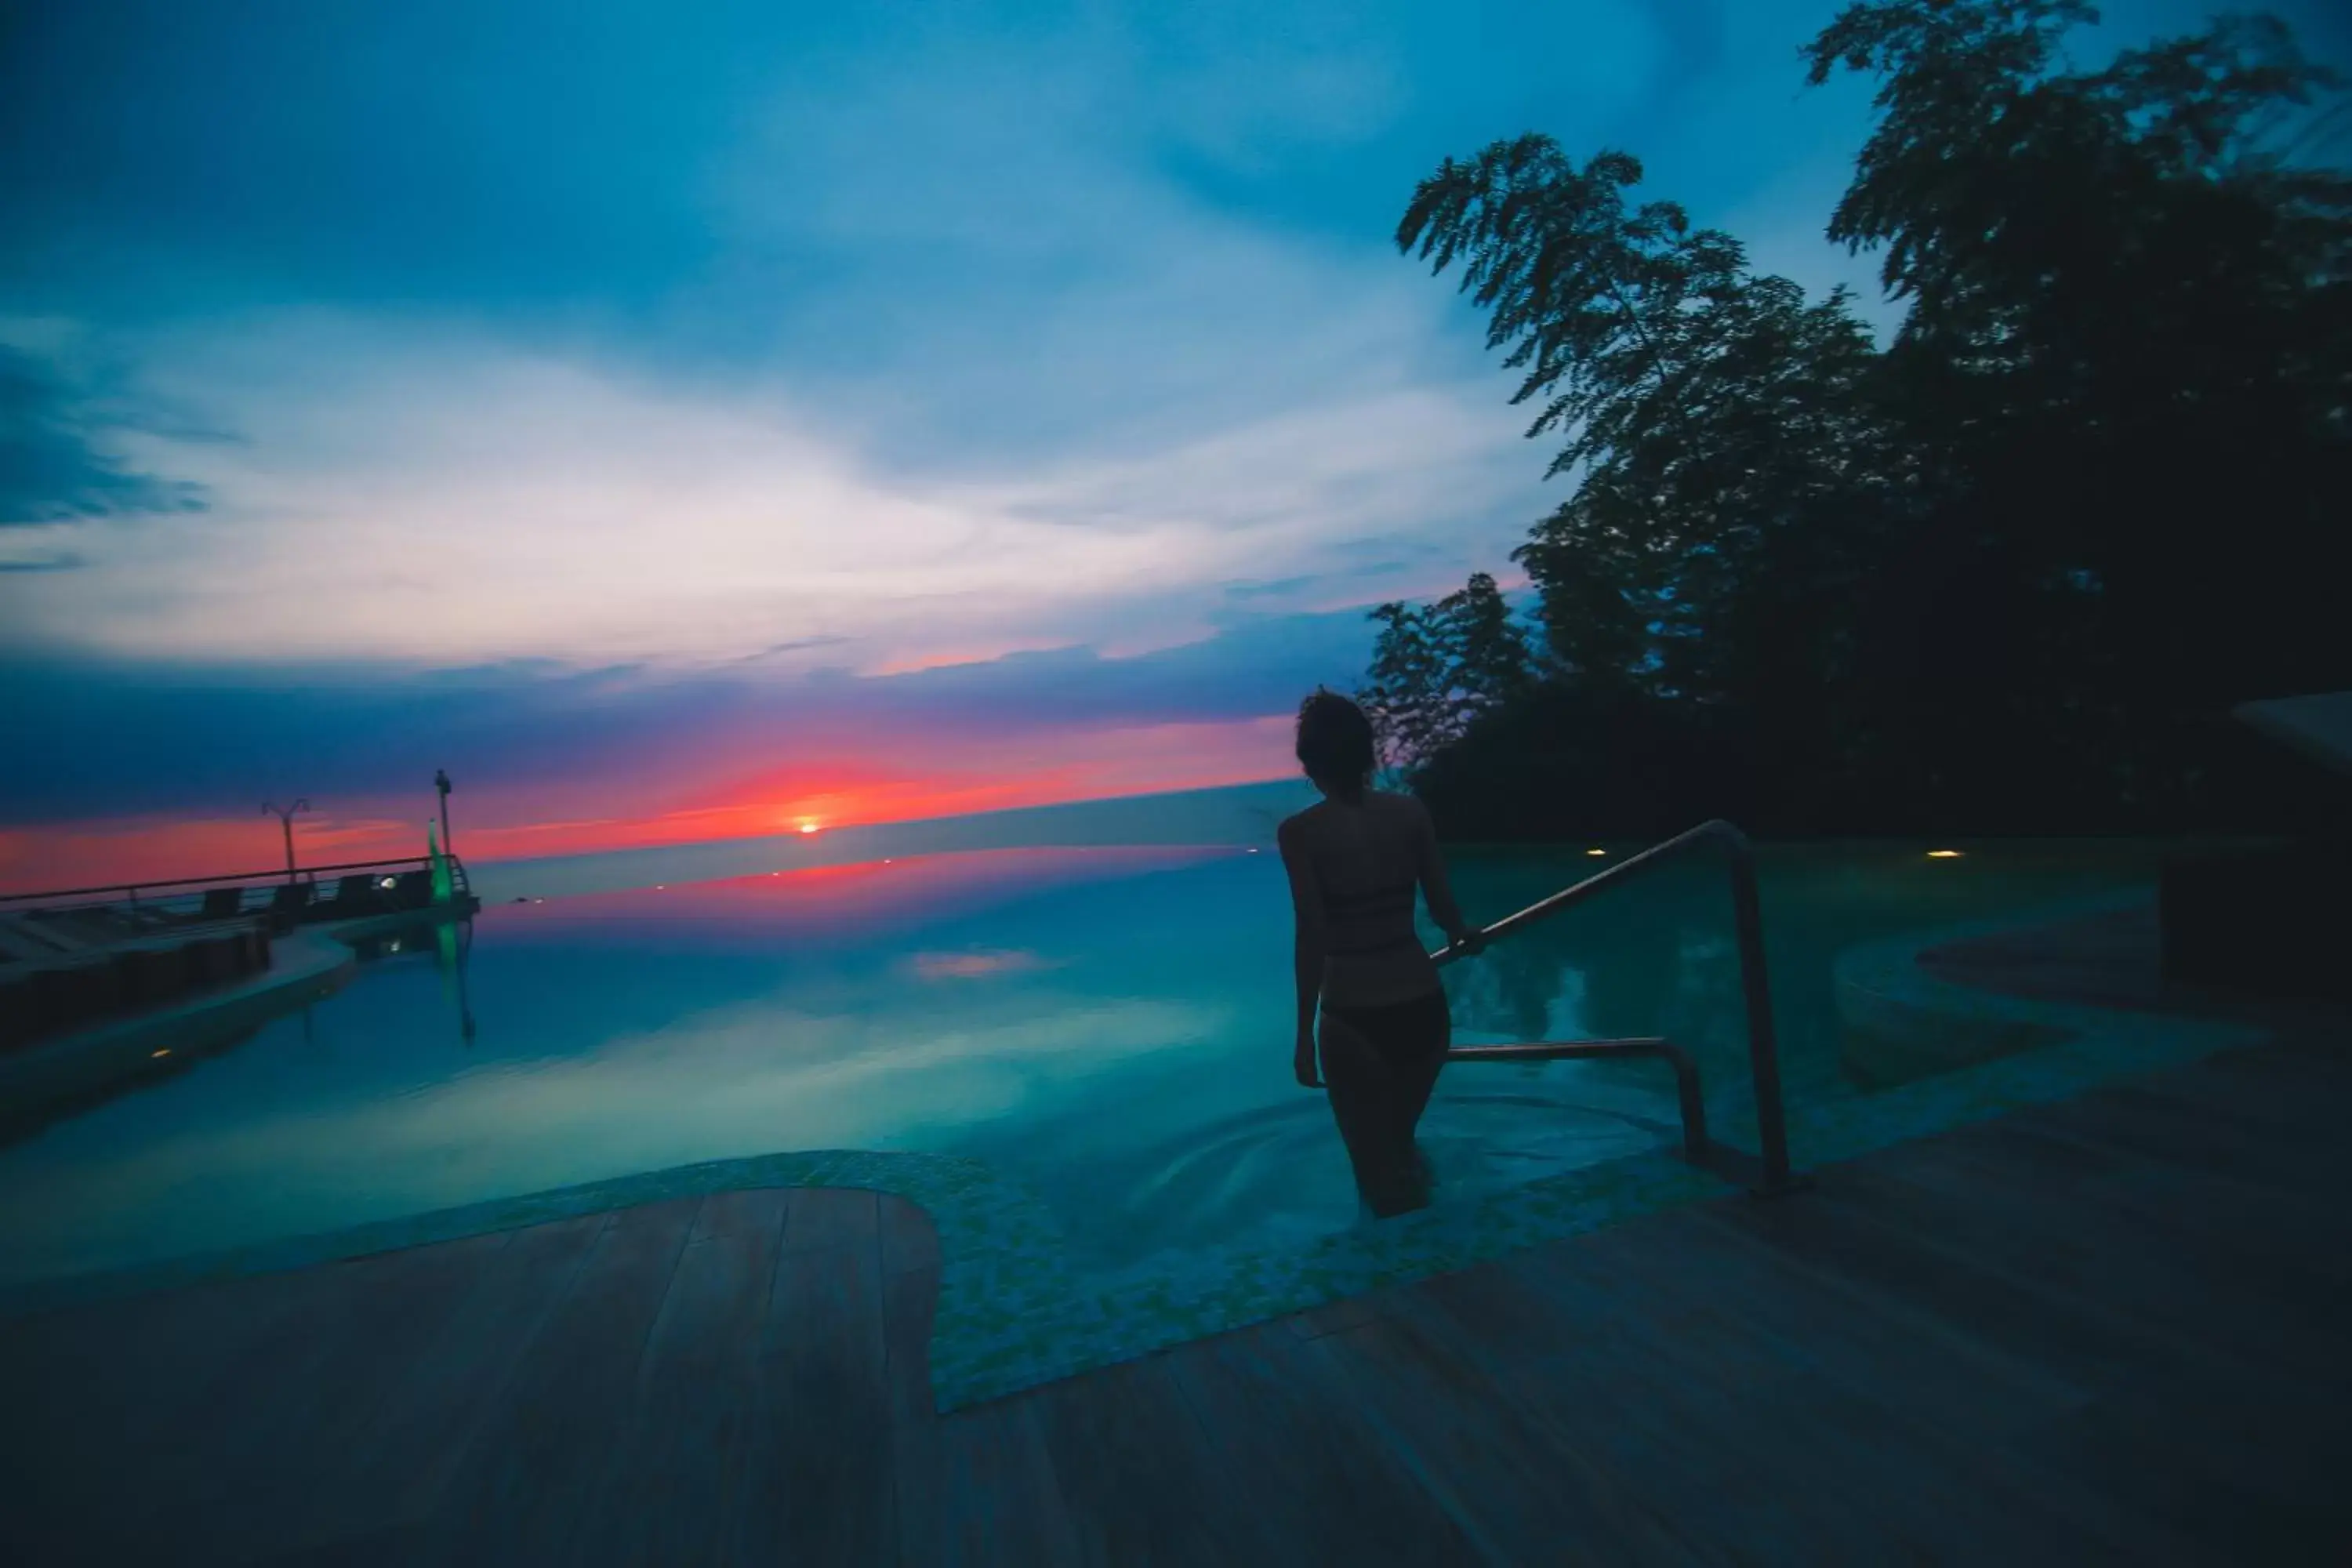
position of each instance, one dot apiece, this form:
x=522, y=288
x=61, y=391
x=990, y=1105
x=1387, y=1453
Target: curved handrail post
x=1763, y=1040
x=1697, y=1147
x=1770, y=1175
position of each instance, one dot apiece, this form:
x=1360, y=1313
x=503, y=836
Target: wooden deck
x=2115, y=1330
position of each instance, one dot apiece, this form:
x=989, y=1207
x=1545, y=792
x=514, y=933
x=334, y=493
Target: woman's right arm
x=1434, y=887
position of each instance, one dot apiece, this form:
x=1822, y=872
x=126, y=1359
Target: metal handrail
x=277, y=874
x=1770, y=1175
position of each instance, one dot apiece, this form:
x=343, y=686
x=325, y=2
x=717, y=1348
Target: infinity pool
x=1109, y=1026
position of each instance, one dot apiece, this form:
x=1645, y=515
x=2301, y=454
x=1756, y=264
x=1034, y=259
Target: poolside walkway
x=2114, y=1330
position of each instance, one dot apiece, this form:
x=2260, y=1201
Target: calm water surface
x=1109, y=1025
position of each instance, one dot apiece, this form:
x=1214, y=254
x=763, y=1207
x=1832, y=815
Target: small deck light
x=164, y=1052
x=1943, y=854
x=388, y=882
x=1596, y=852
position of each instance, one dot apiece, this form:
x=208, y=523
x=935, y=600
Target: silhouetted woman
x=1354, y=861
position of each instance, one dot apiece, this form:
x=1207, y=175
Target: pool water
x=1109, y=1026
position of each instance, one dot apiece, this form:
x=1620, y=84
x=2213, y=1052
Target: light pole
x=441, y=783
x=285, y=815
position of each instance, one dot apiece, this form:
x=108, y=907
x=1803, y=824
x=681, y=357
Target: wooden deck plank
x=816, y=1483
x=685, y=1436
x=2229, y=1420
x=2145, y=1466
x=1334, y=1316
x=1317, y=1476
x=530, y=1474
x=1940, y=1423
x=2043, y=1165
x=747, y=1208
x=1522, y=1489
x=270, y=1476
x=831, y=1217
x=1693, y=1415
x=910, y=1240
x=2057, y=1163
x=2203, y=1138
x=910, y=1290
x=128, y=1389
x=1139, y=1479
x=910, y=1299
x=418, y=1442
x=1901, y=1423
x=984, y=1492
x=394, y=1546
x=2272, y=1085
x=2114, y=1245
x=1823, y=1322
x=125, y=1377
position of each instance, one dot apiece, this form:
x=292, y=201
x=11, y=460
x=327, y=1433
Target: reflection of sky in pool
x=1109, y=1025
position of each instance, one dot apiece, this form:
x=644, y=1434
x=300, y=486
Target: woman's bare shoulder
x=1299, y=822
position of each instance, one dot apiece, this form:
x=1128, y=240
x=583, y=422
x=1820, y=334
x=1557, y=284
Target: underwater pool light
x=1596, y=852
x=164, y=1052
x=1943, y=854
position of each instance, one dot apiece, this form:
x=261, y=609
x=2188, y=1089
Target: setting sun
x=808, y=828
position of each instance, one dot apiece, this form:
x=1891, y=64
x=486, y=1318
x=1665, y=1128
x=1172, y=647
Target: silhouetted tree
x=1401, y=695
x=2007, y=575
x=2128, y=360
x=1436, y=670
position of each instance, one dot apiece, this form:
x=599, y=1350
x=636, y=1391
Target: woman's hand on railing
x=1466, y=944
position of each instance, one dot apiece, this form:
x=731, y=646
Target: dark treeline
x=2006, y=576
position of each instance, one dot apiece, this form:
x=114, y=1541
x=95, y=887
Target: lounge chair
x=289, y=904
x=356, y=895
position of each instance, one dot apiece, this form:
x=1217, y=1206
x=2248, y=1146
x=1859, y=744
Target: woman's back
x=1353, y=863
x=1367, y=856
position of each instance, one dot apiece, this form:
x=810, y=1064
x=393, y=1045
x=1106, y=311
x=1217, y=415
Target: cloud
x=56, y=466
x=41, y=547
x=419, y=499
x=123, y=737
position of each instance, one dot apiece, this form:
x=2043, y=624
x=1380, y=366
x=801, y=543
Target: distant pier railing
x=74, y=957
x=358, y=887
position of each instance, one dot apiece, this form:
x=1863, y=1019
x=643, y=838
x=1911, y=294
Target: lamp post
x=285, y=815
x=441, y=783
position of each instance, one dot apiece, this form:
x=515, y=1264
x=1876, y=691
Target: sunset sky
x=689, y=420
